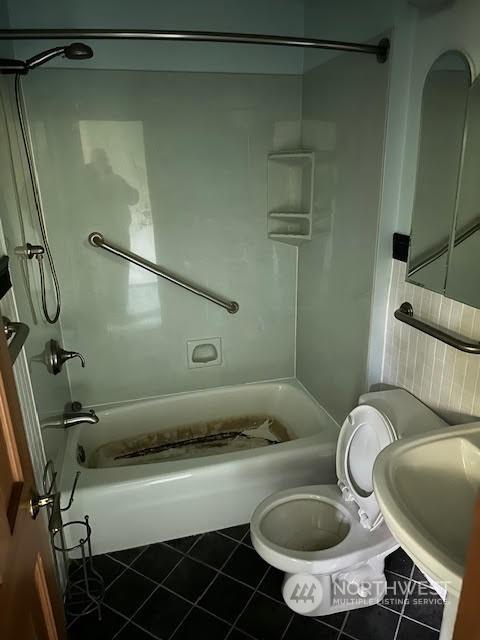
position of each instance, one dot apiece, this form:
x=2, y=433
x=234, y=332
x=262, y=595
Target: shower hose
x=19, y=101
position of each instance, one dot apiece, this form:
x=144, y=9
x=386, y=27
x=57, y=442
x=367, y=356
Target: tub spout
x=70, y=419
x=79, y=417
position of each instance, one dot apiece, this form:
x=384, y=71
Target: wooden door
x=467, y=625
x=30, y=603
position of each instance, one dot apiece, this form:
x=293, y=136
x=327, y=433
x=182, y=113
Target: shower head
x=74, y=51
x=78, y=51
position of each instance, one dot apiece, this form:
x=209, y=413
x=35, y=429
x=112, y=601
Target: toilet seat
x=358, y=544
x=364, y=433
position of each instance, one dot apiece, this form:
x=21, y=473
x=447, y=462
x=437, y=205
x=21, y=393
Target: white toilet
x=331, y=540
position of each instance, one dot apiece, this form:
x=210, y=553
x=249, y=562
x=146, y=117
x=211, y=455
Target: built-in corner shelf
x=290, y=196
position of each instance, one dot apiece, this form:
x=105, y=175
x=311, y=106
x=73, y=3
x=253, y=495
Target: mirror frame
x=453, y=220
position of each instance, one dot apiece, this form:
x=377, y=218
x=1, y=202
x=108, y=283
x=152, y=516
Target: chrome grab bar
x=96, y=239
x=453, y=339
x=19, y=331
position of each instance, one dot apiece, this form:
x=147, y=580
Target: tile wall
x=441, y=376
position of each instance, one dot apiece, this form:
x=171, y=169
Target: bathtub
x=145, y=503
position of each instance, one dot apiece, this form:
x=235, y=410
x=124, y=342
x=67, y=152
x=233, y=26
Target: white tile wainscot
x=441, y=376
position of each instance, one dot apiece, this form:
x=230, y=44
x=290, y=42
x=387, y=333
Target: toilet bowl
x=331, y=540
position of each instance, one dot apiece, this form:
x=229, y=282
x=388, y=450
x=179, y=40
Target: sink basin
x=427, y=488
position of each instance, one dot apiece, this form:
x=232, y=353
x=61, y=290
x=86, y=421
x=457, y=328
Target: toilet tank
x=408, y=415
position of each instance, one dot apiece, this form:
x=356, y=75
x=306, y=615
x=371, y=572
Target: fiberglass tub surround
x=171, y=164
x=173, y=167
x=140, y=502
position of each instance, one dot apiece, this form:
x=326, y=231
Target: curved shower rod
x=380, y=50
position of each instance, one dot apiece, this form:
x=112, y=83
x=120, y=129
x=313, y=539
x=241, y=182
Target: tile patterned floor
x=215, y=586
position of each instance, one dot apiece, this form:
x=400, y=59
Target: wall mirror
x=443, y=117
x=463, y=279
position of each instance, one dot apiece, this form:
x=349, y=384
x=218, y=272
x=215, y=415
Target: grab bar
x=405, y=314
x=96, y=239
x=19, y=331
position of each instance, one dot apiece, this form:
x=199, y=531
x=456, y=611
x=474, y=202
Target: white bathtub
x=145, y=503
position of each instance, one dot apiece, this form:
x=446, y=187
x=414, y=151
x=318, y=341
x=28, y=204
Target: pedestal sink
x=427, y=488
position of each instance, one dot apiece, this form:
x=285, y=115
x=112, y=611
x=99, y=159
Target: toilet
x=331, y=540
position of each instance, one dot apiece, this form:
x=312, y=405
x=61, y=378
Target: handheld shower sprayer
x=73, y=51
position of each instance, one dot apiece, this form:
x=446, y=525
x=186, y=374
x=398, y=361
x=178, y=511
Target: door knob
x=38, y=502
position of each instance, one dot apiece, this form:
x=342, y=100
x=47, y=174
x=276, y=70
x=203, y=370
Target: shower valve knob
x=55, y=357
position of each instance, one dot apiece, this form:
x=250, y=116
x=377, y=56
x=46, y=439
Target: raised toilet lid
x=365, y=432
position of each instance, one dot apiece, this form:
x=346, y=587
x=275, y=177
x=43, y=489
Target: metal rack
x=84, y=586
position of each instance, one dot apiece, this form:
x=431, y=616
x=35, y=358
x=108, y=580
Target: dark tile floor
x=215, y=586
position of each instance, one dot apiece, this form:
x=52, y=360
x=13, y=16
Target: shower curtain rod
x=380, y=50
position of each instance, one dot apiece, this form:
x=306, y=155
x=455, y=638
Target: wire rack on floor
x=85, y=586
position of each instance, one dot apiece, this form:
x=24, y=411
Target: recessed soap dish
x=206, y=352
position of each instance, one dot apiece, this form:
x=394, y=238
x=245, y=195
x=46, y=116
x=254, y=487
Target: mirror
x=444, y=104
x=463, y=281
